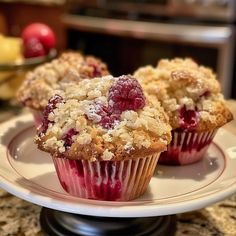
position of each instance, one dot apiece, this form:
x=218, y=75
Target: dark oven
x=128, y=34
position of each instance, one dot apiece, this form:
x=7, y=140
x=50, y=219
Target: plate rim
x=83, y=207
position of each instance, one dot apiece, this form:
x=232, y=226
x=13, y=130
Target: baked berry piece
x=52, y=104
x=127, y=94
x=190, y=95
x=105, y=137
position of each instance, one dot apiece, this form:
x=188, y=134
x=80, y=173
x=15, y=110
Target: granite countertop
x=19, y=218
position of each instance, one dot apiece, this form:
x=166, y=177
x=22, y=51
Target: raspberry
x=52, y=104
x=95, y=65
x=48, y=109
x=33, y=48
x=108, y=117
x=188, y=118
x=126, y=94
x=44, y=126
x=96, y=70
x=68, y=137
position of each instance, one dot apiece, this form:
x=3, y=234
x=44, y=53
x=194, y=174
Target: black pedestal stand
x=58, y=223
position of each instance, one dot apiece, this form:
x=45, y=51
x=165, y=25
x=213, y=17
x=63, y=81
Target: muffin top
x=190, y=94
x=105, y=118
x=40, y=83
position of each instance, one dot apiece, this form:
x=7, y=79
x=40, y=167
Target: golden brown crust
x=219, y=116
x=40, y=83
x=209, y=120
x=182, y=82
x=94, y=150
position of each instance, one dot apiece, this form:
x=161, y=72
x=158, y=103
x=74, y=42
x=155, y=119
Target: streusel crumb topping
x=105, y=118
x=189, y=93
x=40, y=83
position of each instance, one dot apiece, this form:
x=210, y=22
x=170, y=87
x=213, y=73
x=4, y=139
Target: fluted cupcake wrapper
x=186, y=147
x=38, y=117
x=106, y=180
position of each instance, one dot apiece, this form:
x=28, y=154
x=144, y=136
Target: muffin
x=40, y=84
x=191, y=96
x=105, y=137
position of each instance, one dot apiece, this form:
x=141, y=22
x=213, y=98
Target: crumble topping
x=40, y=83
x=76, y=122
x=107, y=155
x=182, y=84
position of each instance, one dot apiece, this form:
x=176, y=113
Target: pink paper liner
x=106, y=180
x=38, y=117
x=186, y=147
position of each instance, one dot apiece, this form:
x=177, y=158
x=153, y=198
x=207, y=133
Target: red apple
x=42, y=32
x=33, y=48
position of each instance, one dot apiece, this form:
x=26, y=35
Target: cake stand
x=29, y=174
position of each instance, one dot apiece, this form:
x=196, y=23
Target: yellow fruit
x=10, y=49
x=10, y=52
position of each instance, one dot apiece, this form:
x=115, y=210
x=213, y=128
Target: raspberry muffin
x=105, y=138
x=40, y=84
x=191, y=97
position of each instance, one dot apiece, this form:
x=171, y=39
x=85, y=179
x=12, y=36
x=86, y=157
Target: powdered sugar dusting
x=88, y=123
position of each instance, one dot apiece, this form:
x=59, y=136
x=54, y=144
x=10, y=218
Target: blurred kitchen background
x=128, y=34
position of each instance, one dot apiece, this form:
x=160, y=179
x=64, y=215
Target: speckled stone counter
x=19, y=218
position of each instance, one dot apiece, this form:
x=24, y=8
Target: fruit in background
x=37, y=33
x=37, y=40
x=10, y=49
x=33, y=48
x=10, y=52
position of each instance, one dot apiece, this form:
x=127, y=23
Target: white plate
x=29, y=174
